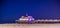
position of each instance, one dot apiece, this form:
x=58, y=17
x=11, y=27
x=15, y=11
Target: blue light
x=29, y=19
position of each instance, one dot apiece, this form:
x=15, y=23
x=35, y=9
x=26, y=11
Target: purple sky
x=14, y=9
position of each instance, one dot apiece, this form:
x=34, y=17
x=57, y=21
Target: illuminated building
x=25, y=19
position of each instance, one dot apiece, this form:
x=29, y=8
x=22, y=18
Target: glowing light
x=29, y=19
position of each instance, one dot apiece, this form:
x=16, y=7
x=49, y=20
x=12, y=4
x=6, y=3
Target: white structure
x=28, y=18
x=25, y=19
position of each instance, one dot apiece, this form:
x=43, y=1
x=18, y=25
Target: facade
x=25, y=19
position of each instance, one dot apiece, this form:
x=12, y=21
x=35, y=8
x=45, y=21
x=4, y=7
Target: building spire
x=26, y=14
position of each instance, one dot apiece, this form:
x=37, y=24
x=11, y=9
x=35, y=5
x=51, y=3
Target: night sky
x=12, y=10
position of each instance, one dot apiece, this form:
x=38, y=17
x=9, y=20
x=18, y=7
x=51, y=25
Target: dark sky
x=14, y=9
